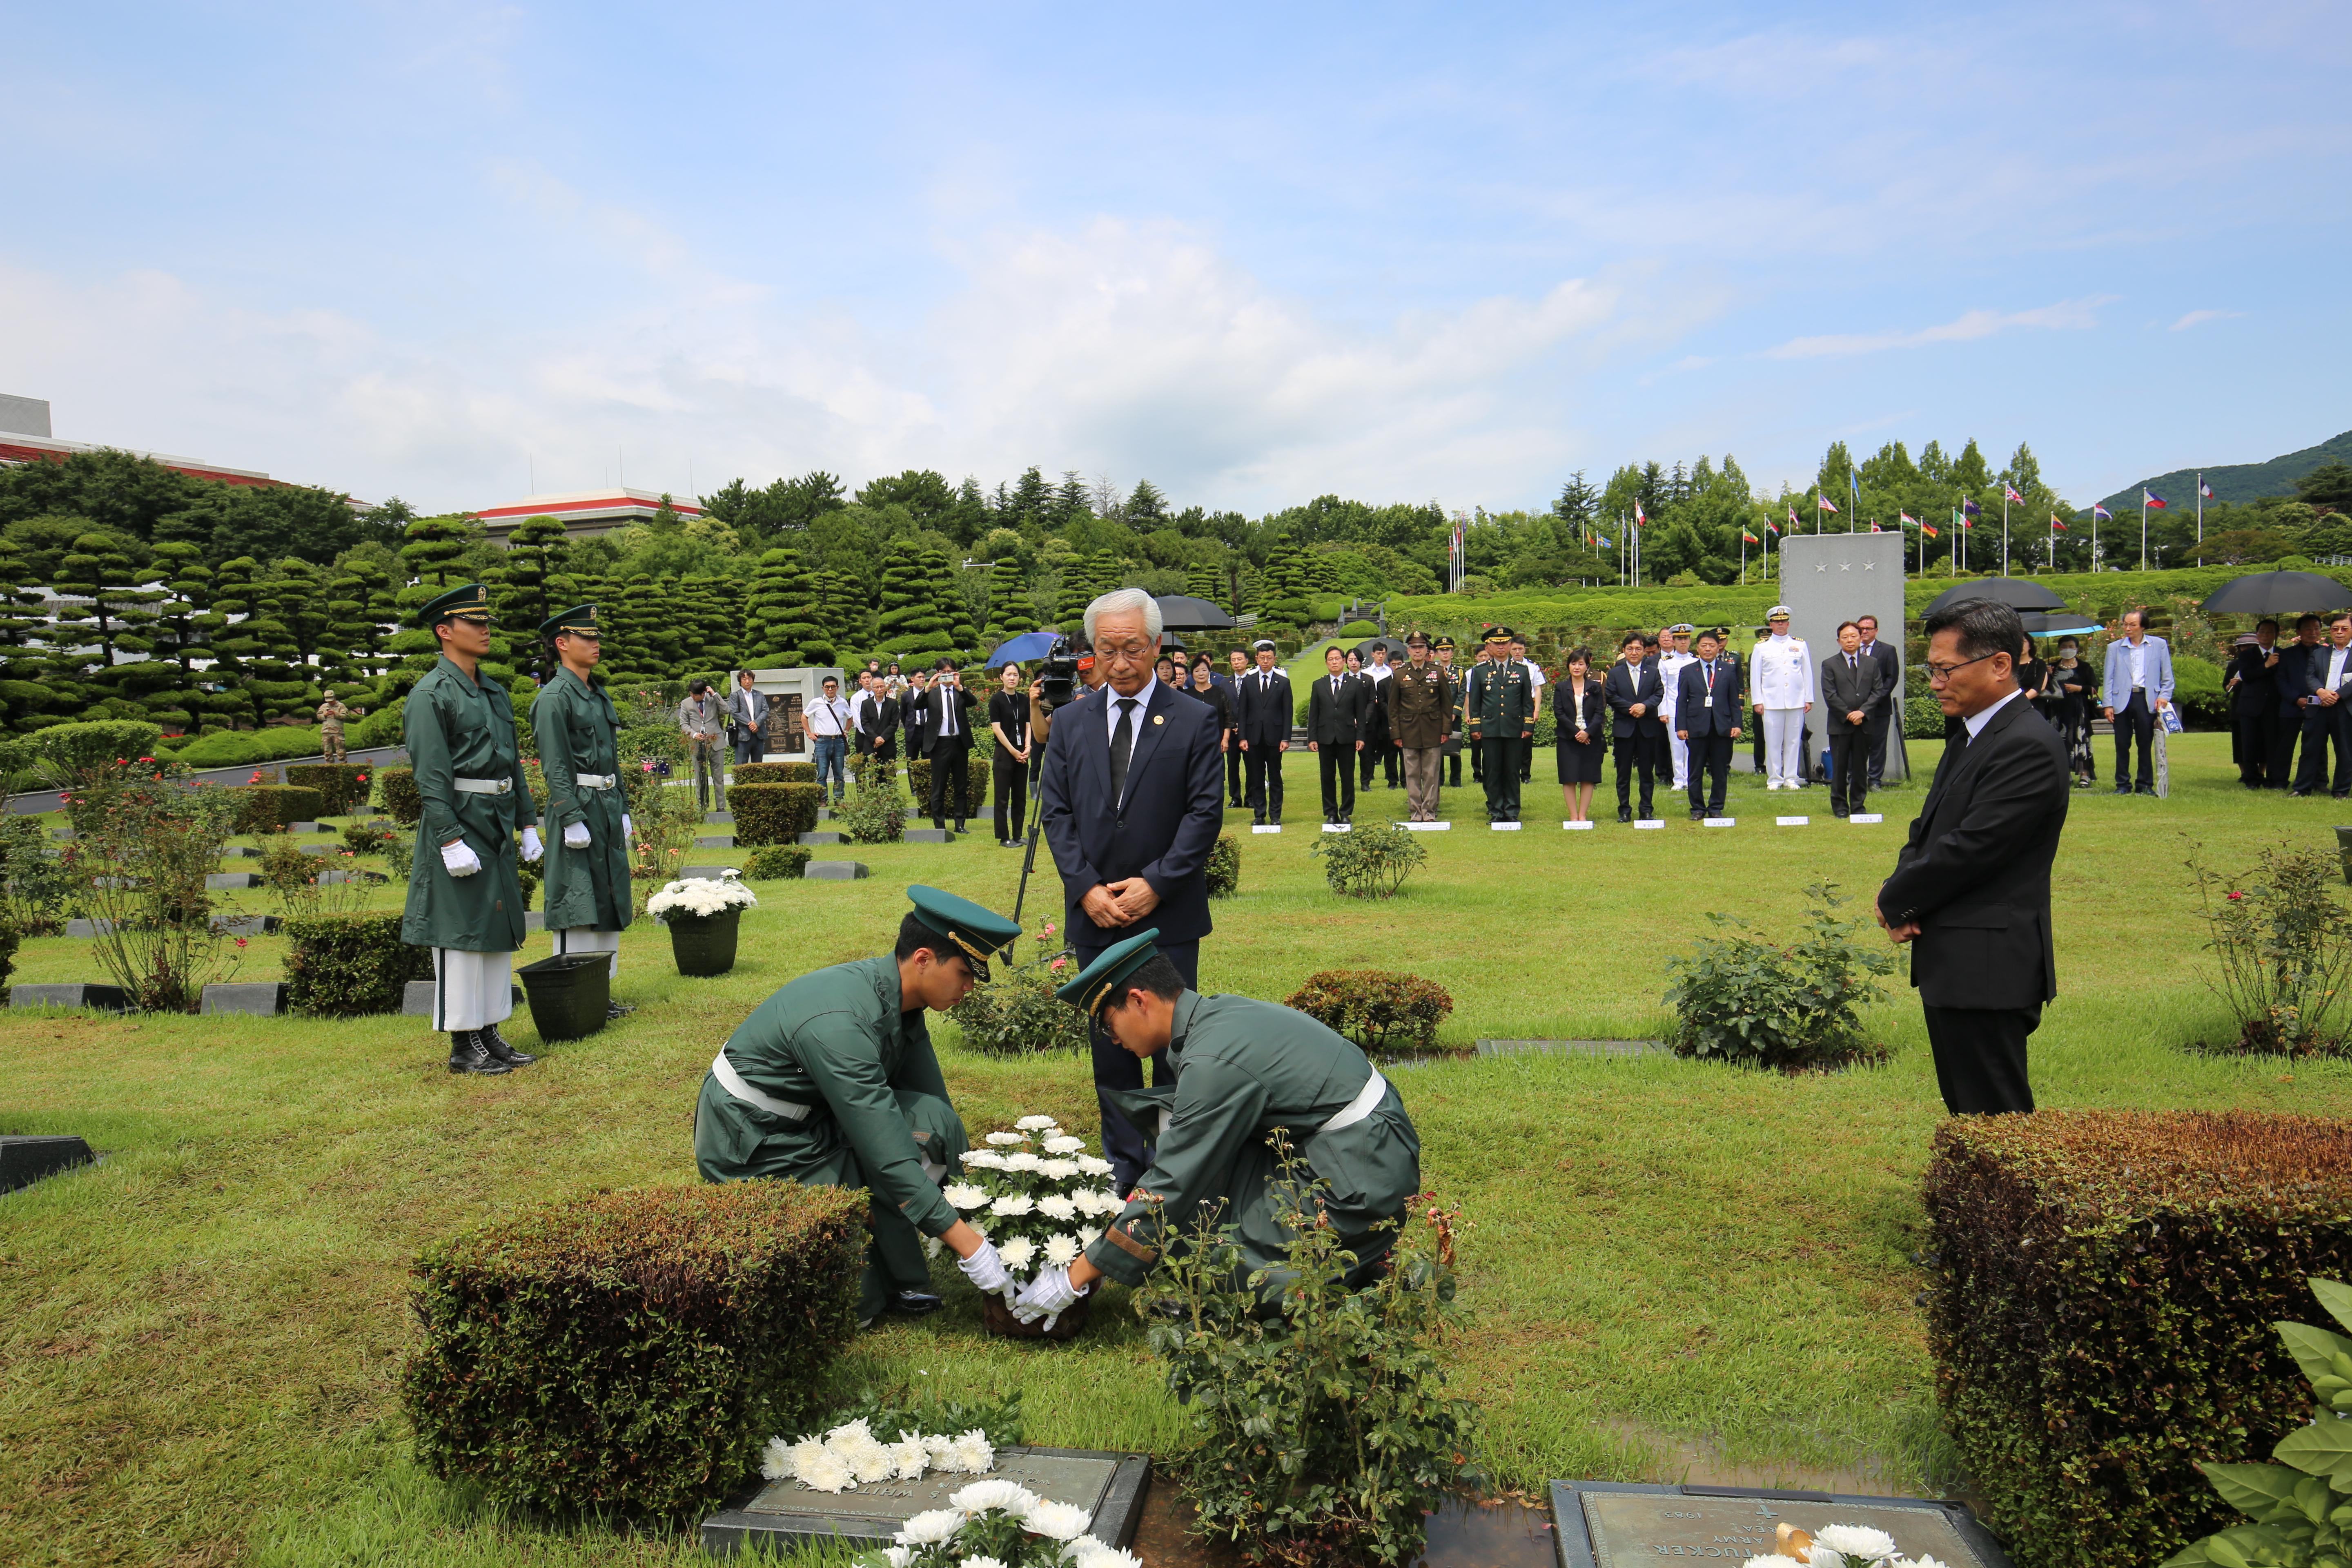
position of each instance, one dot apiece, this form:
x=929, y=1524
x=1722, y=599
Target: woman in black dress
x=2073, y=687
x=1008, y=720
x=2033, y=677
x=1582, y=714
x=1205, y=689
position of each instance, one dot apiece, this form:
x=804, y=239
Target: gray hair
x=1124, y=602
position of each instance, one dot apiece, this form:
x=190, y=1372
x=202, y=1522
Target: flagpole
x=2143, y=528
x=2201, y=514
x=2004, y=528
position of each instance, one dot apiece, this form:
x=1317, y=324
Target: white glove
x=531, y=847
x=627, y=831
x=577, y=835
x=460, y=859
x=1048, y=1295
x=987, y=1272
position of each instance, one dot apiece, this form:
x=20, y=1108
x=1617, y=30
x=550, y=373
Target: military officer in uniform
x=1442, y=654
x=1499, y=704
x=1780, y=682
x=1242, y=1070
x=1420, y=701
x=574, y=720
x=832, y=1082
x=465, y=896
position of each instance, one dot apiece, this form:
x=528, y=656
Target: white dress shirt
x=1977, y=722
x=2337, y=658
x=1111, y=714
x=2139, y=665
x=826, y=718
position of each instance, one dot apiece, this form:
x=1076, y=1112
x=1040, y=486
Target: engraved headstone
x=1109, y=1486
x=1605, y=1524
x=25, y=1160
x=833, y=870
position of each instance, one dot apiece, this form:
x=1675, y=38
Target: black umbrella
x=2019, y=592
x=1182, y=612
x=1397, y=651
x=2277, y=594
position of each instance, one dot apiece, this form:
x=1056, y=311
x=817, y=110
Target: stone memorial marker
x=1109, y=1486
x=1572, y=1048
x=260, y=998
x=222, y=881
x=833, y=870
x=708, y=873
x=824, y=837
x=25, y=1160
x=718, y=816
x=90, y=928
x=911, y=835
x=716, y=841
x=1605, y=1524
x=246, y=925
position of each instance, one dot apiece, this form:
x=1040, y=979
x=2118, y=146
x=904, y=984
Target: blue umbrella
x=1021, y=649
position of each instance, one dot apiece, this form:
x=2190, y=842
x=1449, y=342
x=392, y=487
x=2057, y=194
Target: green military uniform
x=1497, y=703
x=1244, y=1069
x=460, y=734
x=577, y=729
x=833, y=1082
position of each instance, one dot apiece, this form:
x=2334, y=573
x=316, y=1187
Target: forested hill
x=2239, y=482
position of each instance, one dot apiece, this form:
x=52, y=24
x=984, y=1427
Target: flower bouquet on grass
x=998, y=1524
x=1837, y=1546
x=1042, y=1199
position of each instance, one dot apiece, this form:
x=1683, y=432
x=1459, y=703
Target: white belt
x=733, y=1082
x=1367, y=1101
x=483, y=786
x=595, y=781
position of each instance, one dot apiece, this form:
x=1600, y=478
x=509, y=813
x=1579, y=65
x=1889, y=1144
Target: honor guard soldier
x=577, y=730
x=1244, y=1069
x=465, y=896
x=1498, y=703
x=832, y=1083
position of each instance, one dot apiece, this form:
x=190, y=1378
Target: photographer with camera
x=1131, y=800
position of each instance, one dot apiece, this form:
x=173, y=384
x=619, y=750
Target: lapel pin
x=1160, y=718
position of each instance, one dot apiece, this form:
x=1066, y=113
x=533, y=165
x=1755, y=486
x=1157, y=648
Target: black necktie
x=1853, y=663
x=1122, y=744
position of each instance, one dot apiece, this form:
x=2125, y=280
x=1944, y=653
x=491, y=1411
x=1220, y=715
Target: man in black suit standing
x=1265, y=715
x=2288, y=675
x=2322, y=690
x=1335, y=732
x=2254, y=690
x=876, y=714
x=1971, y=888
x=1851, y=687
x=947, y=738
x=1132, y=802
x=1706, y=721
x=1889, y=660
x=1633, y=691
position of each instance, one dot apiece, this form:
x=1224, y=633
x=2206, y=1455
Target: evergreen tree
x=25, y=696
x=913, y=621
x=1200, y=581
x=953, y=608
x=1147, y=508
x=536, y=555
x=1078, y=592
x=847, y=620
x=1283, y=595
x=1008, y=603
x=772, y=628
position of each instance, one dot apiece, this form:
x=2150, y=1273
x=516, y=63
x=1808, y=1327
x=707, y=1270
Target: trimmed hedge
x=975, y=785
x=1378, y=1009
x=775, y=773
x=2104, y=1285
x=1223, y=867
x=268, y=808
x=342, y=786
x=73, y=748
x=772, y=813
x=777, y=863
x=396, y=797
x=631, y=1350
x=341, y=966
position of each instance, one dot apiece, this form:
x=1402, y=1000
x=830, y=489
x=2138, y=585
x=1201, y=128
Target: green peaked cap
x=1099, y=979
x=466, y=599
x=579, y=618
x=977, y=933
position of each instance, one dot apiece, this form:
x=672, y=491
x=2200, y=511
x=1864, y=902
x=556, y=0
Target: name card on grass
x=1793, y=821
x=1504, y=827
x=1649, y=822
x=1577, y=827
x=1720, y=821
x=1335, y=827
x=1426, y=827
x=1263, y=829
x=1866, y=816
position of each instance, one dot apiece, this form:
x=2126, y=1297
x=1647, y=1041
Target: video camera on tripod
x=1060, y=675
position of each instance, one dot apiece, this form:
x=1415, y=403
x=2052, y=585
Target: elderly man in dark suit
x=1131, y=801
x=1889, y=660
x=1853, y=686
x=2253, y=690
x=1634, y=690
x=1971, y=888
x=1706, y=721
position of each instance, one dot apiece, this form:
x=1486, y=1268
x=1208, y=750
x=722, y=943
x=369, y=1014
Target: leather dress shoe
x=1699, y=817
x=916, y=1303
x=1624, y=813
x=2123, y=789
x=959, y=828
x=496, y=1044
x=618, y=1010
x=468, y=1054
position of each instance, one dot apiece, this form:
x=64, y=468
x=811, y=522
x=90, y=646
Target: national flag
x=1606, y=541
x=1929, y=530
x=2058, y=525
x=1853, y=483
x=1641, y=518
x=2148, y=498
x=1960, y=520
x=1792, y=515
x=1875, y=528
x=2098, y=512
x=2009, y=493
x=1825, y=504
x=1909, y=518
x=2203, y=489
x=1971, y=508
x=1747, y=538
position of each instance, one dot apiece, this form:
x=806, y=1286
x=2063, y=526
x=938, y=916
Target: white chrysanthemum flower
x=966, y=1195
x=1036, y=1123
x=1063, y=1143
x=1002, y=1496
x=933, y=1246
x=1023, y=1159
x=799, y=1455
x=1108, y=1202
x=898, y=1557
x=1058, y=1521
x=1088, y=1234
x=1093, y=1165
x=1058, y=1170
x=983, y=1159
x=1086, y=1552
x=970, y=1454
x=1012, y=1205
x=1054, y=1206
x=1061, y=1251
x=1856, y=1541
x=908, y=1458
x=776, y=1460
x=933, y=1527
x=1006, y=1140
x=977, y=1562
x=827, y=1472
x=867, y=1458
x=1773, y=1560
x=939, y=1444
x=1018, y=1253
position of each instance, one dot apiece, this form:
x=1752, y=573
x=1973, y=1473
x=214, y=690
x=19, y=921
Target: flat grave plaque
x=1602, y=1524
x=827, y=836
x=1571, y=1048
x=833, y=870
x=1109, y=1486
x=25, y=1160
x=919, y=835
x=716, y=841
x=708, y=873
x=1265, y=827
x=1577, y=827
x=1335, y=827
x=1502, y=827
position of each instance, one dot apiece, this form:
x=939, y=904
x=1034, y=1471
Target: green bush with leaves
x=1016, y=1013
x=145, y=839
x=2284, y=939
x=67, y=752
x=1224, y=869
x=38, y=888
x=874, y=813
x=347, y=965
x=1325, y=1431
x=342, y=786
x=777, y=863
x=270, y=808
x=631, y=1351
x=1377, y=1008
x=774, y=812
x=975, y=787
x=1371, y=861
x=775, y=773
x=396, y=797
x=1760, y=1004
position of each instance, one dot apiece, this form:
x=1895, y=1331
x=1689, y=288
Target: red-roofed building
x=25, y=438
x=583, y=512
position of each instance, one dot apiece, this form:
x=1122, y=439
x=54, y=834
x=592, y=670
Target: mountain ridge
x=2239, y=482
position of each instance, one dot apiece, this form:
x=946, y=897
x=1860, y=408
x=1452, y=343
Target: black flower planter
x=704, y=944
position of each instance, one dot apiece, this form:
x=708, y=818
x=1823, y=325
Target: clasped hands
x=1119, y=903
x=1897, y=931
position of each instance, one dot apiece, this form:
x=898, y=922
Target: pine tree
x=954, y=609
x=1008, y=603
x=1284, y=595
x=913, y=619
x=24, y=695
x=536, y=554
x=1200, y=581
x=847, y=614
x=1078, y=592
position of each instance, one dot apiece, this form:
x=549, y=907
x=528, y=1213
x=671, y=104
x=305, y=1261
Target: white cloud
x=2197, y=318
x=2068, y=314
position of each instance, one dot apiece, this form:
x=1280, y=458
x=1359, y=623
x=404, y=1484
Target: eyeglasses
x=1937, y=674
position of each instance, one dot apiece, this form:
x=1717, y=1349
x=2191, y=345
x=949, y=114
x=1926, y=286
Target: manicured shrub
x=396, y=797
x=975, y=785
x=1370, y=861
x=268, y=808
x=1740, y=999
x=1377, y=1008
x=631, y=1350
x=774, y=812
x=2104, y=1288
x=342, y=965
x=775, y=773
x=368, y=838
x=1922, y=719
x=1224, y=869
x=224, y=749
x=67, y=752
x=342, y=786
x=777, y=863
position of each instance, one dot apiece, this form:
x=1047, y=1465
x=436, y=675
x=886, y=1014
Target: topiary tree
x=954, y=609
x=912, y=620
x=1078, y=592
x=1009, y=612
x=1282, y=598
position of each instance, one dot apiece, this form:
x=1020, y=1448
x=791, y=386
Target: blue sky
x=1254, y=254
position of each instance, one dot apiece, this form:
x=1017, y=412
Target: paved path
x=40, y=801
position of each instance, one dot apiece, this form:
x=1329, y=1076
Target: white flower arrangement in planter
x=699, y=897
x=1000, y=1525
x=851, y=1455
x=1041, y=1204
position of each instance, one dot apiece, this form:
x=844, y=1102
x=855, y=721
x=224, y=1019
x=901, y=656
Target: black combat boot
x=468, y=1054
x=496, y=1046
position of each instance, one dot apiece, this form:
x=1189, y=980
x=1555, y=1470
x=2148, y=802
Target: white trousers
x=1784, y=745
x=581, y=939
x=471, y=989
x=1678, y=749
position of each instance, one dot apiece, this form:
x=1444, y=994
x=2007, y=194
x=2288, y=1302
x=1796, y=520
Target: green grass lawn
x=1670, y=1263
